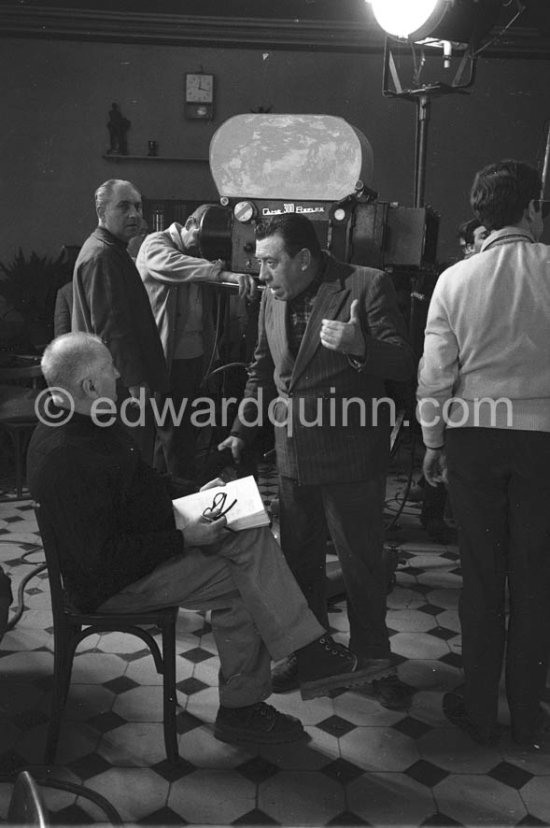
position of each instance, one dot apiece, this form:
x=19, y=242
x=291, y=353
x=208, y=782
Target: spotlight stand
x=421, y=95
x=423, y=111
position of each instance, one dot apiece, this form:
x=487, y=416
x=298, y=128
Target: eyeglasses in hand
x=218, y=508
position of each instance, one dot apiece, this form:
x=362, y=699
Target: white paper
x=247, y=512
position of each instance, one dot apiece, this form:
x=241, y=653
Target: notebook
x=239, y=500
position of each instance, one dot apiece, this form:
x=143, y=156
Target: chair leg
x=16, y=442
x=169, y=692
x=64, y=648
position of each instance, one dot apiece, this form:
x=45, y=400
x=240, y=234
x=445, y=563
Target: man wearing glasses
x=175, y=274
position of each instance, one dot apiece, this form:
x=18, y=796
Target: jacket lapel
x=275, y=322
x=330, y=298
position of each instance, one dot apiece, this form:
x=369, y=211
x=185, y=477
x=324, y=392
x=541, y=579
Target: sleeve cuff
x=358, y=363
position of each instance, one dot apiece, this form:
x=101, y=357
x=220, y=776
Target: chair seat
x=98, y=619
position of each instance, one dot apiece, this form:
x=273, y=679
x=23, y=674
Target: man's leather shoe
x=259, y=724
x=326, y=665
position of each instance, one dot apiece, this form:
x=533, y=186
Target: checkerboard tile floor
x=365, y=765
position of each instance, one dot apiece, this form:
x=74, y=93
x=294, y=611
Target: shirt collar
x=174, y=231
x=105, y=235
x=311, y=290
x=508, y=235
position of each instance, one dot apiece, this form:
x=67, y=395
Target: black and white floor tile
x=364, y=765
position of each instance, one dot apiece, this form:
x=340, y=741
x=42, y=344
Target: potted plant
x=28, y=286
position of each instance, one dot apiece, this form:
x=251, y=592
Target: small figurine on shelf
x=118, y=126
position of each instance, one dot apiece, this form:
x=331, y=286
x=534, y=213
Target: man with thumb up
x=329, y=335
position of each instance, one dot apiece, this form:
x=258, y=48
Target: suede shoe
x=259, y=724
x=284, y=676
x=325, y=665
x=390, y=692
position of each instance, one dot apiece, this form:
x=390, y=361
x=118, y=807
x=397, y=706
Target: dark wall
x=57, y=94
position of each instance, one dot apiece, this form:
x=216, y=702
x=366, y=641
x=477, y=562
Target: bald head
x=81, y=365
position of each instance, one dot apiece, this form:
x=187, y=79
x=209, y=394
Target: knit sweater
x=112, y=514
x=486, y=359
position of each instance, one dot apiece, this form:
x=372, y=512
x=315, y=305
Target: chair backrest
x=55, y=577
x=26, y=372
x=26, y=805
x=20, y=384
x=6, y=597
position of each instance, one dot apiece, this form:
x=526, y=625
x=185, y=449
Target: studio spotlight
x=456, y=21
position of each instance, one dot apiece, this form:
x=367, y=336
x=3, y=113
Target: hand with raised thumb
x=345, y=337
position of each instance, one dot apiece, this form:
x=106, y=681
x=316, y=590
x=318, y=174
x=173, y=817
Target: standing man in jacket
x=329, y=335
x=110, y=301
x=484, y=406
x=174, y=275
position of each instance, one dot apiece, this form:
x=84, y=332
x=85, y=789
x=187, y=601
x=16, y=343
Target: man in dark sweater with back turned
x=121, y=549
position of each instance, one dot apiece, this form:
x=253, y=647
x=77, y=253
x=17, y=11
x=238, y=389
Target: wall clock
x=199, y=95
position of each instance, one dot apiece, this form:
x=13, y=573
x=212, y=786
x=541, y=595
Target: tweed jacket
x=330, y=425
x=109, y=300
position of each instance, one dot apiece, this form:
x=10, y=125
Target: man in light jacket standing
x=174, y=275
x=484, y=406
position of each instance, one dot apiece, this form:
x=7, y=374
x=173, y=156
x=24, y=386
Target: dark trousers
x=499, y=483
x=353, y=514
x=177, y=441
x=433, y=503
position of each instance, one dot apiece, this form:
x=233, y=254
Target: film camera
x=318, y=165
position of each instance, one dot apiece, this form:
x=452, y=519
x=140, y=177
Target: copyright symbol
x=54, y=406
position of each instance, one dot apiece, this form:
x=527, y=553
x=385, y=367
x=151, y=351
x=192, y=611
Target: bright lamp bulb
x=402, y=17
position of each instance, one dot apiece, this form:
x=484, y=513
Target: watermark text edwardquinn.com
x=55, y=406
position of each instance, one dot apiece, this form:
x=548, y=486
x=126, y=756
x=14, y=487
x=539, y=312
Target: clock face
x=199, y=88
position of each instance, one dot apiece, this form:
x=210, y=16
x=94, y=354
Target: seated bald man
x=121, y=549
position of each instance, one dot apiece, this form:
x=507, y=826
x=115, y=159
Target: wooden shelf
x=117, y=158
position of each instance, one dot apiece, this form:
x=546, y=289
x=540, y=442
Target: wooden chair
x=20, y=383
x=71, y=627
x=26, y=804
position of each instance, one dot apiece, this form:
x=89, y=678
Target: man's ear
x=533, y=208
x=88, y=387
x=305, y=258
